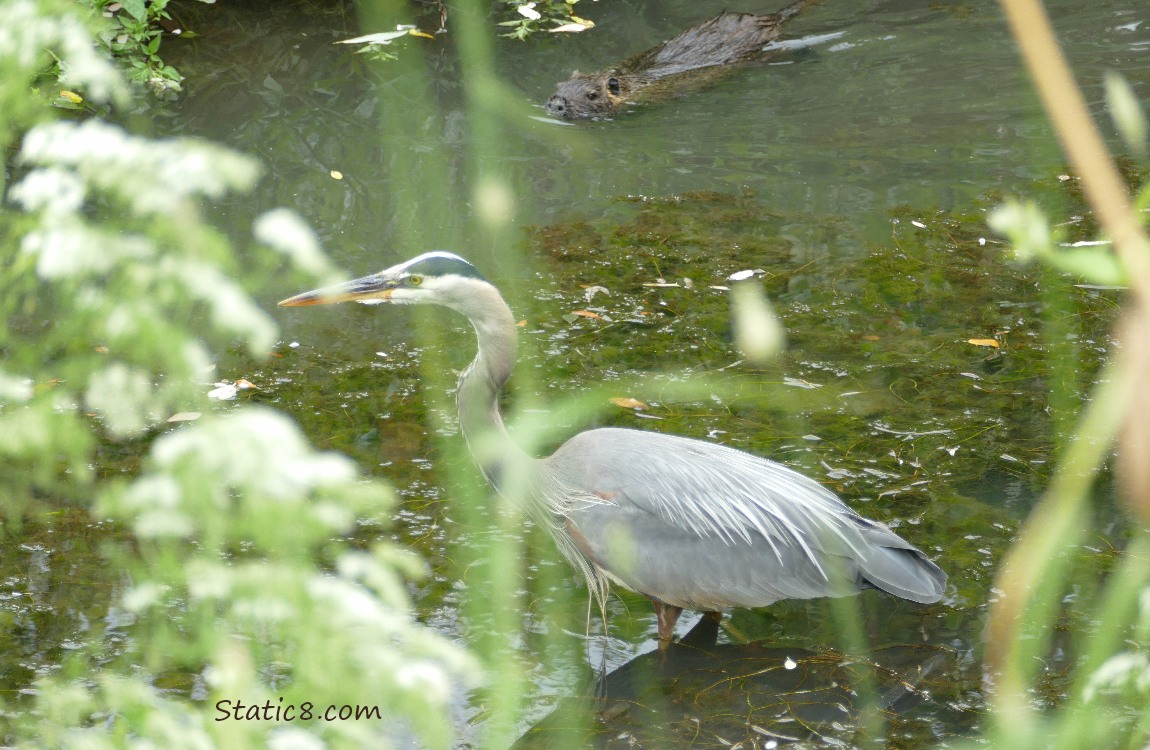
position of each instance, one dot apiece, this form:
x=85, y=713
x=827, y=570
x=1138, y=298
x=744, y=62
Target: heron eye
x=415, y=280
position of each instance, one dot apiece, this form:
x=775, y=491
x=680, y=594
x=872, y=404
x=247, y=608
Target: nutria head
x=588, y=95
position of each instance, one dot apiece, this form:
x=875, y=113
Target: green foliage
x=1033, y=238
x=33, y=39
x=117, y=295
x=542, y=15
x=1105, y=704
x=224, y=585
x=119, y=247
x=133, y=35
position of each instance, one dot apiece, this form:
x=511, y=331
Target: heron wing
x=706, y=526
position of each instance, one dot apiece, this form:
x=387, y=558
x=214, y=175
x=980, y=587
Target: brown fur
x=689, y=59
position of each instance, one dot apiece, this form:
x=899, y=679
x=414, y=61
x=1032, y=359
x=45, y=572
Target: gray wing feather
x=705, y=526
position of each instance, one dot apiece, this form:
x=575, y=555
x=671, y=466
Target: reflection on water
x=832, y=170
x=701, y=693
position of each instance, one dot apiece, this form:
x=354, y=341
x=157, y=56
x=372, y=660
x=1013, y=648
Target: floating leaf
x=384, y=37
x=422, y=34
x=336, y=174
x=71, y=96
x=223, y=392
x=568, y=28
x=629, y=403
x=528, y=11
x=984, y=342
x=244, y=384
x=800, y=383
x=185, y=416
x=590, y=292
x=587, y=314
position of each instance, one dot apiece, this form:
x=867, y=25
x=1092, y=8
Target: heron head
x=432, y=277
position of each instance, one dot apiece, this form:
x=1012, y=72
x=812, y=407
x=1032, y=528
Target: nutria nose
x=556, y=105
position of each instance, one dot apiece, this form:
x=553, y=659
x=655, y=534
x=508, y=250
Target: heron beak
x=374, y=288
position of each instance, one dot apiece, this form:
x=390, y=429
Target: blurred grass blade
x=1126, y=112
x=758, y=333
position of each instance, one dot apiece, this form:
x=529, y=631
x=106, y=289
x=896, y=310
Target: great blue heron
x=687, y=523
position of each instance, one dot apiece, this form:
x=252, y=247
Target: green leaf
x=1097, y=264
x=1026, y=227
x=136, y=8
x=1032, y=237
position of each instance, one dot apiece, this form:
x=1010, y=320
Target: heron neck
x=500, y=459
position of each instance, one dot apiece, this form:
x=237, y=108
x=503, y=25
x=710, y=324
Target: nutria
x=725, y=40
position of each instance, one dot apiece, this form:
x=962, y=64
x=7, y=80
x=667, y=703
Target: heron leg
x=668, y=615
x=705, y=633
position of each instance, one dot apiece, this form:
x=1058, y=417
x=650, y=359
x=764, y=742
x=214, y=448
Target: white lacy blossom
x=124, y=397
x=26, y=33
x=283, y=230
x=257, y=449
x=52, y=190
x=66, y=248
x=152, y=176
x=232, y=309
x=14, y=388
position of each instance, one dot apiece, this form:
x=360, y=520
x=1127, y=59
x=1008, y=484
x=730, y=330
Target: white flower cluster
x=245, y=477
x=150, y=176
x=132, y=284
x=27, y=32
x=284, y=231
